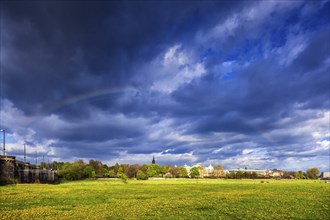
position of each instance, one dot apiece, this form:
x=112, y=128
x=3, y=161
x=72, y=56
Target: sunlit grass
x=168, y=199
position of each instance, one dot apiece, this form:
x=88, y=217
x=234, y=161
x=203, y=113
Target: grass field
x=168, y=199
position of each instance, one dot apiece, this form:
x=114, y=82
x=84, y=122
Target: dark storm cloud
x=316, y=48
x=259, y=92
x=188, y=81
x=71, y=48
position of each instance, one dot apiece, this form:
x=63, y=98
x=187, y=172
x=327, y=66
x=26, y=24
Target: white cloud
x=173, y=69
x=249, y=19
x=225, y=29
x=323, y=145
x=167, y=151
x=247, y=151
x=175, y=56
x=295, y=44
x=166, y=130
x=313, y=124
x=256, y=158
x=304, y=163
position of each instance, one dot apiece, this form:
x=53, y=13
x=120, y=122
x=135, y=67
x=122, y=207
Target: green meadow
x=168, y=199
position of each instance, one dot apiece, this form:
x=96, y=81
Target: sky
x=240, y=83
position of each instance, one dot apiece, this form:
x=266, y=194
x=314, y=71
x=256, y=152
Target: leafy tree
x=230, y=175
x=105, y=167
x=254, y=175
x=183, y=172
x=288, y=175
x=153, y=170
x=175, y=171
x=194, y=172
x=116, y=168
x=164, y=169
x=74, y=171
x=93, y=175
x=141, y=175
x=110, y=174
x=98, y=167
x=202, y=171
x=80, y=162
x=144, y=168
x=299, y=175
x=238, y=175
x=89, y=172
x=218, y=171
x=120, y=170
x=132, y=170
x=246, y=175
x=56, y=165
x=313, y=173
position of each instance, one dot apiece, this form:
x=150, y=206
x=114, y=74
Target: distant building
x=153, y=160
x=325, y=175
x=204, y=171
x=187, y=167
x=275, y=173
x=257, y=171
x=209, y=170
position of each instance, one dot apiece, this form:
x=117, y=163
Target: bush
x=7, y=181
x=110, y=174
x=123, y=177
x=141, y=175
x=211, y=177
x=168, y=175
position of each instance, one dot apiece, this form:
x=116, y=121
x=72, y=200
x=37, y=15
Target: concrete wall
x=7, y=167
x=24, y=172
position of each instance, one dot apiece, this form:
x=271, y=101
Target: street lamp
x=4, y=141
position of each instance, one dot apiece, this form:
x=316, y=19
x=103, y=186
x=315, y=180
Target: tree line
x=96, y=169
x=312, y=173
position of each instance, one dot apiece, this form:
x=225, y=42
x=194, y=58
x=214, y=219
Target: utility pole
x=24, y=152
x=4, y=141
x=37, y=158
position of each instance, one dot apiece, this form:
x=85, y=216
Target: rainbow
x=48, y=109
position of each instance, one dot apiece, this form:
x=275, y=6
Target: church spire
x=153, y=160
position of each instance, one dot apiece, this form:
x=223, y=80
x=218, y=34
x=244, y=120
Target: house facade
x=204, y=171
x=260, y=172
x=325, y=175
x=275, y=173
